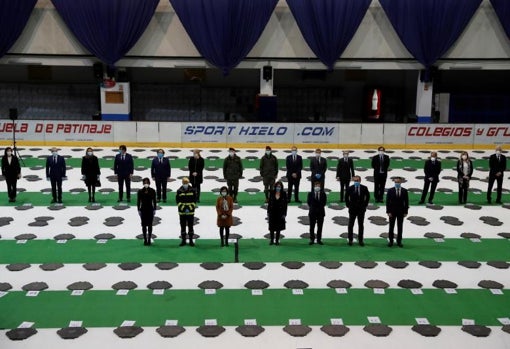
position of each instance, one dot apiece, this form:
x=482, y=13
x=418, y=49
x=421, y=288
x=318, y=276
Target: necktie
x=55, y=159
x=398, y=193
x=357, y=191
x=122, y=157
x=160, y=161
x=294, y=158
x=498, y=158
x=317, y=196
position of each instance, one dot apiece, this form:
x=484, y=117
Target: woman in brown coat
x=224, y=208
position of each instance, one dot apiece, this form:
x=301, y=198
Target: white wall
x=165, y=37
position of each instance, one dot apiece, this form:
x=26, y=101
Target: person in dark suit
x=316, y=203
x=432, y=170
x=464, y=173
x=160, y=172
x=276, y=212
x=146, y=204
x=380, y=164
x=397, y=206
x=294, y=164
x=123, y=167
x=232, y=172
x=186, y=200
x=318, y=167
x=356, y=200
x=55, y=173
x=90, y=173
x=196, y=171
x=497, y=166
x=11, y=170
x=344, y=173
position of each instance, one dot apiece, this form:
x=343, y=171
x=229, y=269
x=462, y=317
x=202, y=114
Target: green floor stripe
x=250, y=164
x=245, y=199
x=274, y=308
x=118, y=250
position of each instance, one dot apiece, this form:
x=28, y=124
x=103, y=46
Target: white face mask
x=346, y=155
x=231, y=153
x=432, y=158
x=293, y=152
x=89, y=153
x=54, y=153
x=464, y=157
x=145, y=185
x=268, y=152
x=498, y=152
x=223, y=193
x=318, y=155
x=317, y=189
x=9, y=153
x=185, y=186
x=196, y=156
x=381, y=152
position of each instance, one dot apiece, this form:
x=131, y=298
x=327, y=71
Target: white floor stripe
x=273, y=337
x=235, y=276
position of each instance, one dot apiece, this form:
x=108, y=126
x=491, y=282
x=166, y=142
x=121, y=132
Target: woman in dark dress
x=146, y=204
x=276, y=212
x=90, y=173
x=11, y=170
x=196, y=171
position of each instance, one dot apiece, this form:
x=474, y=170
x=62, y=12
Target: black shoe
x=145, y=243
x=271, y=242
x=222, y=243
x=53, y=201
x=320, y=242
x=183, y=243
x=60, y=201
x=93, y=199
x=311, y=243
x=298, y=201
x=90, y=200
x=350, y=243
x=277, y=243
x=421, y=202
x=390, y=244
x=489, y=201
x=497, y=201
x=158, y=199
x=120, y=200
x=129, y=199
x=399, y=244
x=431, y=203
x=191, y=243
x=361, y=243
x=164, y=200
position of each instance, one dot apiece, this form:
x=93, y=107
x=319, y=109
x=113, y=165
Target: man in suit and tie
x=380, y=164
x=344, y=173
x=316, y=211
x=294, y=164
x=160, y=172
x=55, y=173
x=432, y=171
x=356, y=200
x=497, y=165
x=397, y=205
x=318, y=166
x=123, y=167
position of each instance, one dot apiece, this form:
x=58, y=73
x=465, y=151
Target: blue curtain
x=502, y=8
x=328, y=25
x=428, y=28
x=14, y=16
x=107, y=28
x=224, y=31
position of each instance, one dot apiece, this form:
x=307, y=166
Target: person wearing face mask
x=397, y=206
x=497, y=166
x=196, y=171
x=11, y=170
x=276, y=212
x=160, y=173
x=294, y=164
x=186, y=202
x=90, y=173
x=380, y=164
x=268, y=171
x=432, y=170
x=55, y=173
x=356, y=200
x=146, y=204
x=318, y=167
x=232, y=172
x=464, y=173
x=224, y=209
x=123, y=168
x=316, y=211
x=344, y=172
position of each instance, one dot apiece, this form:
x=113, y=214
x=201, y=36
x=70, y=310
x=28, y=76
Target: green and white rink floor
x=102, y=309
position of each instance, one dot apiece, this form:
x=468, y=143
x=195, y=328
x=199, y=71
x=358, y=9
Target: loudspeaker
x=13, y=114
x=98, y=70
x=267, y=72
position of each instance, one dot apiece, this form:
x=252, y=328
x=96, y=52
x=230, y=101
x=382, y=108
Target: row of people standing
x=233, y=170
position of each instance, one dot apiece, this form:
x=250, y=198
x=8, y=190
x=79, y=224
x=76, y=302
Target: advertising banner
x=440, y=134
